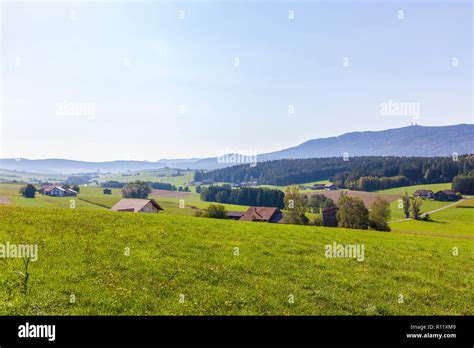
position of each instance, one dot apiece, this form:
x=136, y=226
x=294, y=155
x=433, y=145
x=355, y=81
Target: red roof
x=259, y=214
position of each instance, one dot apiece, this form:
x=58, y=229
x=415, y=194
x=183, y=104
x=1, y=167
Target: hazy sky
x=135, y=80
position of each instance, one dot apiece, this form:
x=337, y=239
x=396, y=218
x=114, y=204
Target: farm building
x=321, y=187
x=446, y=196
x=234, y=215
x=107, y=191
x=135, y=205
x=317, y=187
x=70, y=192
x=329, y=216
x=45, y=187
x=263, y=214
x=425, y=194
x=55, y=191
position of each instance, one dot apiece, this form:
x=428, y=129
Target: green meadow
x=153, y=175
x=451, y=222
x=411, y=189
x=113, y=263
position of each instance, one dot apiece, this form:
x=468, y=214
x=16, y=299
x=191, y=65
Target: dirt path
x=4, y=200
x=433, y=211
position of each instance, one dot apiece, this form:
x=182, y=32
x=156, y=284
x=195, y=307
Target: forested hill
x=416, y=141
x=401, y=170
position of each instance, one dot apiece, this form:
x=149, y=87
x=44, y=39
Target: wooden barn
x=446, y=196
x=329, y=216
x=135, y=205
x=263, y=214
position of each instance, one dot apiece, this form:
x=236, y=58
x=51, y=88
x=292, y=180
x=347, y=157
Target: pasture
x=190, y=266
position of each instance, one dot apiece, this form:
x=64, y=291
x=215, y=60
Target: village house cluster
x=443, y=195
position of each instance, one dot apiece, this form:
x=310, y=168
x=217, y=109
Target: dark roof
x=259, y=214
x=423, y=192
x=447, y=192
x=133, y=204
x=329, y=209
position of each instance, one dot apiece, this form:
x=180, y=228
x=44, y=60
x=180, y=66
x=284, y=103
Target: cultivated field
x=83, y=253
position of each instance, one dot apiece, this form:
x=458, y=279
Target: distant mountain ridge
x=423, y=141
x=411, y=141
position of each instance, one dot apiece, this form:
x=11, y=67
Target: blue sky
x=164, y=87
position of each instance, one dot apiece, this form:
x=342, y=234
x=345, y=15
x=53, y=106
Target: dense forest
x=357, y=173
x=259, y=197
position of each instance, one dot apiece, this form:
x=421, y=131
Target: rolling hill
x=406, y=141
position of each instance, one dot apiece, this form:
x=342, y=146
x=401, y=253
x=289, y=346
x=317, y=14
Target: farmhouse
x=137, y=205
x=424, y=194
x=107, y=191
x=55, y=191
x=234, y=215
x=263, y=214
x=321, y=187
x=446, y=196
x=317, y=187
x=329, y=216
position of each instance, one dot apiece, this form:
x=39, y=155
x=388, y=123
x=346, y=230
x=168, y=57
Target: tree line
x=153, y=185
x=357, y=173
x=260, y=197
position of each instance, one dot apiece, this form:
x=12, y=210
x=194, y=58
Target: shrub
x=352, y=213
x=137, y=189
x=379, y=214
x=28, y=191
x=215, y=211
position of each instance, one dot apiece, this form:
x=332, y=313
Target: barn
x=263, y=214
x=137, y=205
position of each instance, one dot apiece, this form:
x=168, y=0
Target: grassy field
x=83, y=252
x=451, y=222
x=11, y=175
x=412, y=189
x=155, y=175
x=469, y=203
x=92, y=197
